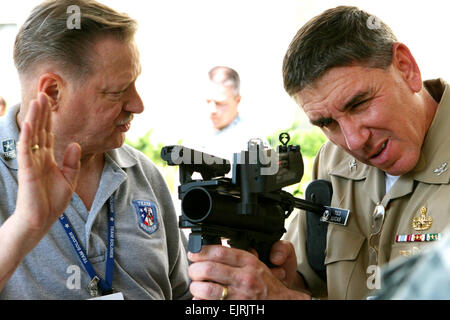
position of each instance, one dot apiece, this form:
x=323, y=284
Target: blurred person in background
x=224, y=97
x=228, y=133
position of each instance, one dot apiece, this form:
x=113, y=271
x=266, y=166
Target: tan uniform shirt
x=360, y=189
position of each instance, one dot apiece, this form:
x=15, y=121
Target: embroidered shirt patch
x=9, y=149
x=147, y=215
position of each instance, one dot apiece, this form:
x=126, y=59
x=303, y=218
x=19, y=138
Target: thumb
x=71, y=163
x=281, y=252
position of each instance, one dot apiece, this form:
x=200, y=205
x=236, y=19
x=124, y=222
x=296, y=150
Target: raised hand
x=45, y=189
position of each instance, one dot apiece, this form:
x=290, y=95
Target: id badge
x=335, y=215
x=112, y=296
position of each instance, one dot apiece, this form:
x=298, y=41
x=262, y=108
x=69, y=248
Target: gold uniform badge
x=423, y=222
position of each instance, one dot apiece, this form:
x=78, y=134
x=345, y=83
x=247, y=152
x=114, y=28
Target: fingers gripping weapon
x=248, y=209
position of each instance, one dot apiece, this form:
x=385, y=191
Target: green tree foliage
x=310, y=139
x=153, y=152
x=144, y=145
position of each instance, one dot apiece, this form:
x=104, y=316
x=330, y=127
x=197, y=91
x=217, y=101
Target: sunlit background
x=181, y=40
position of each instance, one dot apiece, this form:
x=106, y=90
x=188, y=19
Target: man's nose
x=134, y=102
x=354, y=133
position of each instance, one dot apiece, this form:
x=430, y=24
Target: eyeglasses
x=374, y=239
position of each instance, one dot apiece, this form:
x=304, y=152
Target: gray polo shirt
x=149, y=255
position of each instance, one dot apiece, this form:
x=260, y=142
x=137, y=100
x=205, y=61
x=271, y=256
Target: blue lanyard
x=105, y=285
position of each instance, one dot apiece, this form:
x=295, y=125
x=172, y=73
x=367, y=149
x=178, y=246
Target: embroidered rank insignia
x=147, y=215
x=9, y=149
x=418, y=237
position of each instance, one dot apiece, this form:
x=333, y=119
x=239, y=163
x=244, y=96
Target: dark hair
x=341, y=36
x=46, y=36
x=226, y=76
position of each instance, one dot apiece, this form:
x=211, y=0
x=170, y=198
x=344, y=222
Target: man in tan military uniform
x=387, y=160
x=360, y=188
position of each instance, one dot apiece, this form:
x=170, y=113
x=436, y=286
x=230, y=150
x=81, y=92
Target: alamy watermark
x=373, y=22
x=74, y=18
x=267, y=158
x=374, y=280
x=73, y=281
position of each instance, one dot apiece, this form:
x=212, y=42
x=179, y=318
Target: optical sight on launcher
x=250, y=208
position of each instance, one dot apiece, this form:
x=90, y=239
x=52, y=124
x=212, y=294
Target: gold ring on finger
x=224, y=293
x=35, y=147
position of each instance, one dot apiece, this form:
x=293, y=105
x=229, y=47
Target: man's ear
x=52, y=85
x=404, y=62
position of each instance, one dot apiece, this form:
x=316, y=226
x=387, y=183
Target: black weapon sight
x=248, y=209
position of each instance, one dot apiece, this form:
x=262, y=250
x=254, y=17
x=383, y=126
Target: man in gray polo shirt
x=119, y=231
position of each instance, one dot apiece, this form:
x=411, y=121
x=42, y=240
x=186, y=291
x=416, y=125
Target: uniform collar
x=352, y=169
x=436, y=148
x=122, y=157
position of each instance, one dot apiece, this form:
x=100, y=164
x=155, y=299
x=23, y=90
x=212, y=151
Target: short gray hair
x=45, y=35
x=226, y=76
x=338, y=37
